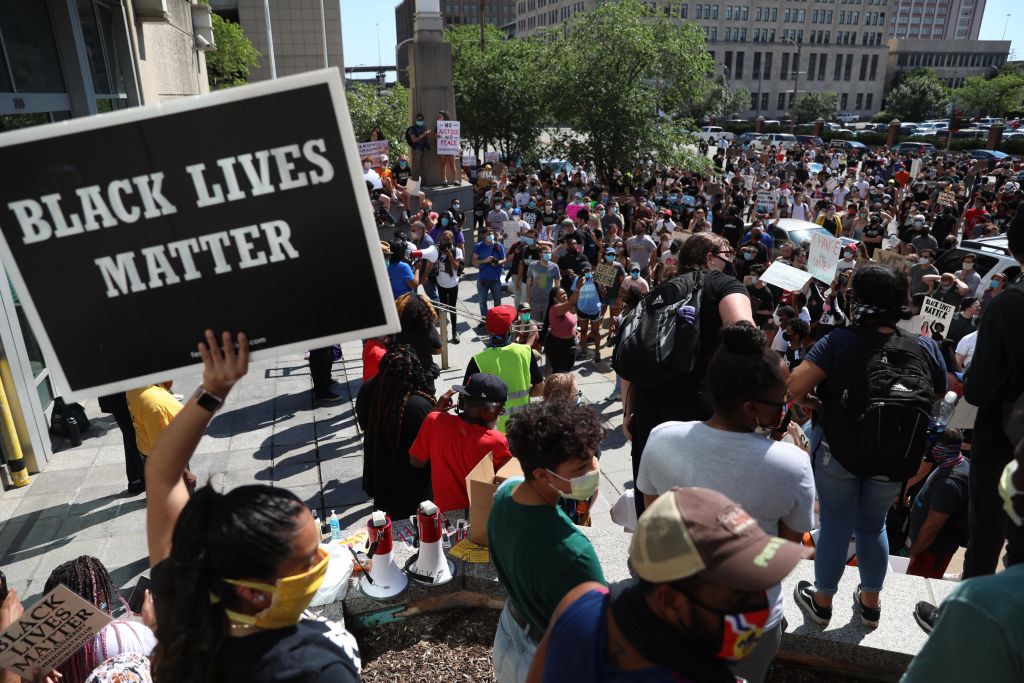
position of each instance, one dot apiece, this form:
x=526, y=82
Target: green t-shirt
x=539, y=553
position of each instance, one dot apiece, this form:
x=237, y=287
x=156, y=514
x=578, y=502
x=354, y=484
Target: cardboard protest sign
x=604, y=274
x=823, y=258
x=964, y=416
x=897, y=262
x=49, y=632
x=937, y=315
x=469, y=160
x=767, y=199
x=785, y=277
x=373, y=149
x=490, y=157
x=947, y=199
x=915, y=168
x=912, y=326
x=205, y=217
x=412, y=186
x=449, y=139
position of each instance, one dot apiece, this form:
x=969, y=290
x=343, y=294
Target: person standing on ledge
x=417, y=136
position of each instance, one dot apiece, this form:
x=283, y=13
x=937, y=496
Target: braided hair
x=401, y=376
x=87, y=577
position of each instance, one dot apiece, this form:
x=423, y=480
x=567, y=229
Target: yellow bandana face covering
x=291, y=597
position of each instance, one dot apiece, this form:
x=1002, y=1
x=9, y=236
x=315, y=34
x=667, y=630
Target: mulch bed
x=454, y=646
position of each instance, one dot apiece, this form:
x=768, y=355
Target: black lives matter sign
x=128, y=234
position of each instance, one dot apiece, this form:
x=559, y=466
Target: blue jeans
x=485, y=288
x=849, y=505
x=513, y=650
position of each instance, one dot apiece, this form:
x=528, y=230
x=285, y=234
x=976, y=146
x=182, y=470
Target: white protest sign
x=412, y=186
x=748, y=182
x=947, y=199
x=767, y=199
x=823, y=258
x=469, y=160
x=490, y=157
x=913, y=326
x=785, y=277
x=449, y=140
x=49, y=632
x=510, y=228
x=891, y=259
x=964, y=416
x=915, y=168
x=373, y=150
x=937, y=315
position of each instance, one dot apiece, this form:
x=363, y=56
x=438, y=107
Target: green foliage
x=389, y=111
x=502, y=95
x=713, y=98
x=918, y=96
x=228, y=64
x=815, y=105
x=617, y=67
x=991, y=96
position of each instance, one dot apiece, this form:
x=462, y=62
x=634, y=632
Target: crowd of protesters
x=744, y=464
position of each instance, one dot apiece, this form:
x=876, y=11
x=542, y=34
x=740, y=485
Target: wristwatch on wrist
x=207, y=400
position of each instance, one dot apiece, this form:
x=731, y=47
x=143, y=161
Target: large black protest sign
x=128, y=234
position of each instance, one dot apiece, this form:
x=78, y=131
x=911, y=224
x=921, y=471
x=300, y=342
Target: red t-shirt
x=902, y=177
x=454, y=447
x=373, y=351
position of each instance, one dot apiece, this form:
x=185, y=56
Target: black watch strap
x=207, y=400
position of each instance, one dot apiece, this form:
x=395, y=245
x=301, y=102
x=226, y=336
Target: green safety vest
x=512, y=364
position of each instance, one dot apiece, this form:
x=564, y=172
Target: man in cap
x=455, y=444
x=699, y=602
x=514, y=363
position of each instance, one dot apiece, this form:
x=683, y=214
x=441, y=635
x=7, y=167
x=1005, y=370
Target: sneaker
x=804, y=596
x=952, y=577
x=136, y=487
x=455, y=338
x=327, y=396
x=869, y=616
x=925, y=615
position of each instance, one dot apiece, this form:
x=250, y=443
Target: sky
x=362, y=19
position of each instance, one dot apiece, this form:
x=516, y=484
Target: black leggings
x=449, y=296
x=561, y=353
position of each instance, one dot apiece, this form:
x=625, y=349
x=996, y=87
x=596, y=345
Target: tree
x=618, y=66
x=388, y=110
x=995, y=96
x=736, y=100
x=229, y=62
x=814, y=105
x=501, y=95
x=918, y=96
x=713, y=98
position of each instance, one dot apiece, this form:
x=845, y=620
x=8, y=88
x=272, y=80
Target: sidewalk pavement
x=269, y=432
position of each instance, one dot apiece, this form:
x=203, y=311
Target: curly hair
x=547, y=434
x=401, y=375
x=415, y=312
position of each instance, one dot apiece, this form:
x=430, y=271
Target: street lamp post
x=796, y=87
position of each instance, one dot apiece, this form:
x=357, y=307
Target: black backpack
x=878, y=407
x=656, y=347
x=62, y=411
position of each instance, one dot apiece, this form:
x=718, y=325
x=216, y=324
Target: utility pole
x=796, y=87
x=270, y=40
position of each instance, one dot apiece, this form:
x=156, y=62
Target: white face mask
x=583, y=486
x=923, y=261
x=968, y=266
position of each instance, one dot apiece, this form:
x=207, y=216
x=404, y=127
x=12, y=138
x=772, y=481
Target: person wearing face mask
x=417, y=136
x=747, y=389
x=696, y=608
x=541, y=277
x=872, y=234
x=761, y=300
x=925, y=266
x=458, y=219
x=996, y=286
x=946, y=288
x=262, y=561
x=968, y=275
x=983, y=616
x=497, y=216
x=847, y=262
x=612, y=218
x=488, y=256
x=922, y=239
x=449, y=272
x=446, y=222
x=575, y=206
x=856, y=485
x=538, y=553
x=454, y=444
x=830, y=221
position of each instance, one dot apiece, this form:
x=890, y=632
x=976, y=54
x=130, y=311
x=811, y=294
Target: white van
x=714, y=134
x=780, y=140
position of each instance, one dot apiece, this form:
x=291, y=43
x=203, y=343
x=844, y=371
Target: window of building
x=844, y=100
x=782, y=101
x=863, y=68
x=700, y=11
x=821, y=66
x=837, y=74
x=811, y=61
x=858, y=101
x=757, y=63
x=868, y=101
x=753, y=100
x=764, y=100
x=767, y=65
x=874, y=67
x=31, y=51
x=785, y=66
x=739, y=65
x=728, y=63
x=848, y=68
x=796, y=66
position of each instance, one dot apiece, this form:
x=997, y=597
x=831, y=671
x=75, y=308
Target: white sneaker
x=951, y=577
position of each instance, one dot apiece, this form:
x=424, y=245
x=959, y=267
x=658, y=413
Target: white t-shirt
x=839, y=195
x=444, y=279
x=801, y=211
x=771, y=480
x=965, y=348
x=369, y=175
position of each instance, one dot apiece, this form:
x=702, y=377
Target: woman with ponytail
x=735, y=453
x=233, y=573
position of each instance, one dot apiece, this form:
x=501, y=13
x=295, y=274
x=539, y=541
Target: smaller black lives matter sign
x=126, y=235
x=49, y=632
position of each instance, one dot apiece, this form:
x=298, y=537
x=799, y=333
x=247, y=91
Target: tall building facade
x=500, y=13
x=298, y=31
x=774, y=48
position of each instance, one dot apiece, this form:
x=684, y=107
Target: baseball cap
x=484, y=387
x=384, y=158
x=699, y=532
x=517, y=212
x=609, y=250
x=500, y=319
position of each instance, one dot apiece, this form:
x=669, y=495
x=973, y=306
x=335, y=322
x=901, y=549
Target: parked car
x=931, y=127
x=880, y=127
x=714, y=134
x=993, y=257
x=748, y=137
x=849, y=145
x=783, y=140
x=847, y=117
x=964, y=134
x=796, y=231
x=810, y=140
x=919, y=148
x=986, y=122
x=988, y=154
x=772, y=122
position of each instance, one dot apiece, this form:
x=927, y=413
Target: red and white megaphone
x=385, y=579
x=429, y=565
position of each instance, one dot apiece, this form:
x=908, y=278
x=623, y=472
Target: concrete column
x=894, y=129
x=758, y=124
x=995, y=135
x=430, y=84
x=67, y=31
x=819, y=126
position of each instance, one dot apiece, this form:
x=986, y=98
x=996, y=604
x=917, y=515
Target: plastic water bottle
x=318, y=523
x=335, y=527
x=943, y=411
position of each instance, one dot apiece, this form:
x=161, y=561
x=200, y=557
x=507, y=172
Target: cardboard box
x=481, y=484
